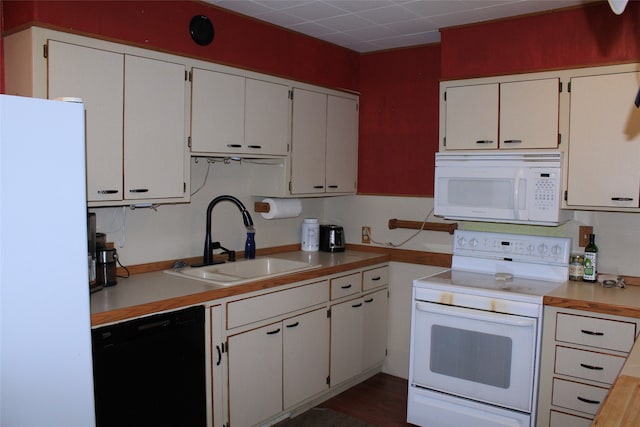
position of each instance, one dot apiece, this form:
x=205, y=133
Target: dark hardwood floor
x=381, y=401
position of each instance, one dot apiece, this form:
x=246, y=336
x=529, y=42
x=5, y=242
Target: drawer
x=560, y=419
x=577, y=396
x=595, y=332
x=345, y=285
x=254, y=309
x=589, y=365
x=375, y=277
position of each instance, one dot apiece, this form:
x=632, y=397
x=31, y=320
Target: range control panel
x=515, y=247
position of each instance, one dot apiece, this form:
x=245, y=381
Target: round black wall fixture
x=201, y=30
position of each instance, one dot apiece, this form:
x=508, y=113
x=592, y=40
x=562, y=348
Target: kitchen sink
x=236, y=273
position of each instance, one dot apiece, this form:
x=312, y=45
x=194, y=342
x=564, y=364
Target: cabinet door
x=267, y=110
x=375, y=328
x=217, y=112
x=305, y=356
x=96, y=76
x=472, y=117
x=347, y=321
x=604, y=141
x=529, y=114
x=309, y=140
x=154, y=131
x=255, y=375
x=342, y=145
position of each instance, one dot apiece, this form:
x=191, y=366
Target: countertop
x=621, y=408
x=147, y=293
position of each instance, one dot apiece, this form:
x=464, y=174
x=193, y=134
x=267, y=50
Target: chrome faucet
x=209, y=246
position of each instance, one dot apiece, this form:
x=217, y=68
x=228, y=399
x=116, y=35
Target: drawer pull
x=139, y=190
x=513, y=141
x=357, y=305
x=368, y=300
x=318, y=187
x=375, y=279
x=273, y=332
x=592, y=402
x=332, y=186
x=622, y=199
x=484, y=141
x=598, y=334
x=255, y=147
x=234, y=145
x=107, y=191
x=593, y=368
x=345, y=287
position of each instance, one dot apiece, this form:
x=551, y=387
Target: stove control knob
x=556, y=250
x=473, y=243
x=543, y=249
x=531, y=248
x=462, y=241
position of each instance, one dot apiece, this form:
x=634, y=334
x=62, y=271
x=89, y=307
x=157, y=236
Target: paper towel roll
x=282, y=208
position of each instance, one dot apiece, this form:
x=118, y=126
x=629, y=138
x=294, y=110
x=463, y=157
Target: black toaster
x=331, y=238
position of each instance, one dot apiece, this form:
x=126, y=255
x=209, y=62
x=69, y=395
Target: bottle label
x=590, y=267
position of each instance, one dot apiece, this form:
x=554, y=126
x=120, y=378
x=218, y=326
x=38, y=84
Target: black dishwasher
x=151, y=371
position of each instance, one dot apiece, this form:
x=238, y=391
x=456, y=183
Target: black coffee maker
x=91, y=252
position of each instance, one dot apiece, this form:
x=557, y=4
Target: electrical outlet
x=366, y=235
x=583, y=235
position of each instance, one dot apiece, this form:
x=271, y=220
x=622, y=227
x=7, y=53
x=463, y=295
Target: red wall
x=566, y=39
x=398, y=121
x=164, y=25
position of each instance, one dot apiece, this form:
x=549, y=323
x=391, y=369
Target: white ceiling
x=370, y=25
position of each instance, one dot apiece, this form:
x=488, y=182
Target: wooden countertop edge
x=592, y=306
x=621, y=408
x=218, y=293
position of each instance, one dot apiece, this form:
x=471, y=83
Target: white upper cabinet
x=324, y=156
x=73, y=72
x=342, y=145
x=231, y=114
x=154, y=129
x=604, y=141
x=505, y=115
x=529, y=114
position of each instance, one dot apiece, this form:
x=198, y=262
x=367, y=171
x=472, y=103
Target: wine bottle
x=590, y=260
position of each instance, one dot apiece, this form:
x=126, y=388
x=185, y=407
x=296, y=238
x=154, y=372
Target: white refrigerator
x=46, y=376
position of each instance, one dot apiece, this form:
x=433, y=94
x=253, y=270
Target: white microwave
x=509, y=186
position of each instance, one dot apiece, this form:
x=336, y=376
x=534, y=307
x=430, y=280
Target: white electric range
x=476, y=329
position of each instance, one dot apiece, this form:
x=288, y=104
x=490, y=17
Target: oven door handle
x=487, y=316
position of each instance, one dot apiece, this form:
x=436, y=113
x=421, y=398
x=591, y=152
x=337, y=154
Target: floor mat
x=323, y=417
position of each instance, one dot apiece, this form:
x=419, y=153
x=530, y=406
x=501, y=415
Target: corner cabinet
x=136, y=108
x=582, y=354
x=504, y=115
x=604, y=142
x=324, y=143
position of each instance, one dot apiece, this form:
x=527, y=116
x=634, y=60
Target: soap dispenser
x=250, y=244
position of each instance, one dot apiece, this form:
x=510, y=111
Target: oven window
x=474, y=356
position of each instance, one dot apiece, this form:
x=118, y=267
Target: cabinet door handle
x=139, y=190
x=256, y=147
x=622, y=199
x=375, y=279
x=368, y=300
x=318, y=186
x=332, y=186
x=598, y=334
x=107, y=191
x=357, y=305
x=592, y=402
x=484, y=141
x=273, y=332
x=345, y=286
x=234, y=145
x=593, y=368
x=293, y=325
x=219, y=355
x=513, y=141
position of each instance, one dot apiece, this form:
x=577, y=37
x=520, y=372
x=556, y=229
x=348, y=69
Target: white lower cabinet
x=284, y=349
x=358, y=335
x=582, y=354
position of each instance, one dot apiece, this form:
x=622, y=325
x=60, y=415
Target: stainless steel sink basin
x=236, y=273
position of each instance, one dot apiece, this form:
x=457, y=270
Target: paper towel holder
x=261, y=207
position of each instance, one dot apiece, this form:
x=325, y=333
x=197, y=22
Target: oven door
x=480, y=355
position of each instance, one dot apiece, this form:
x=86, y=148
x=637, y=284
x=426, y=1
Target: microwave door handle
x=516, y=193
